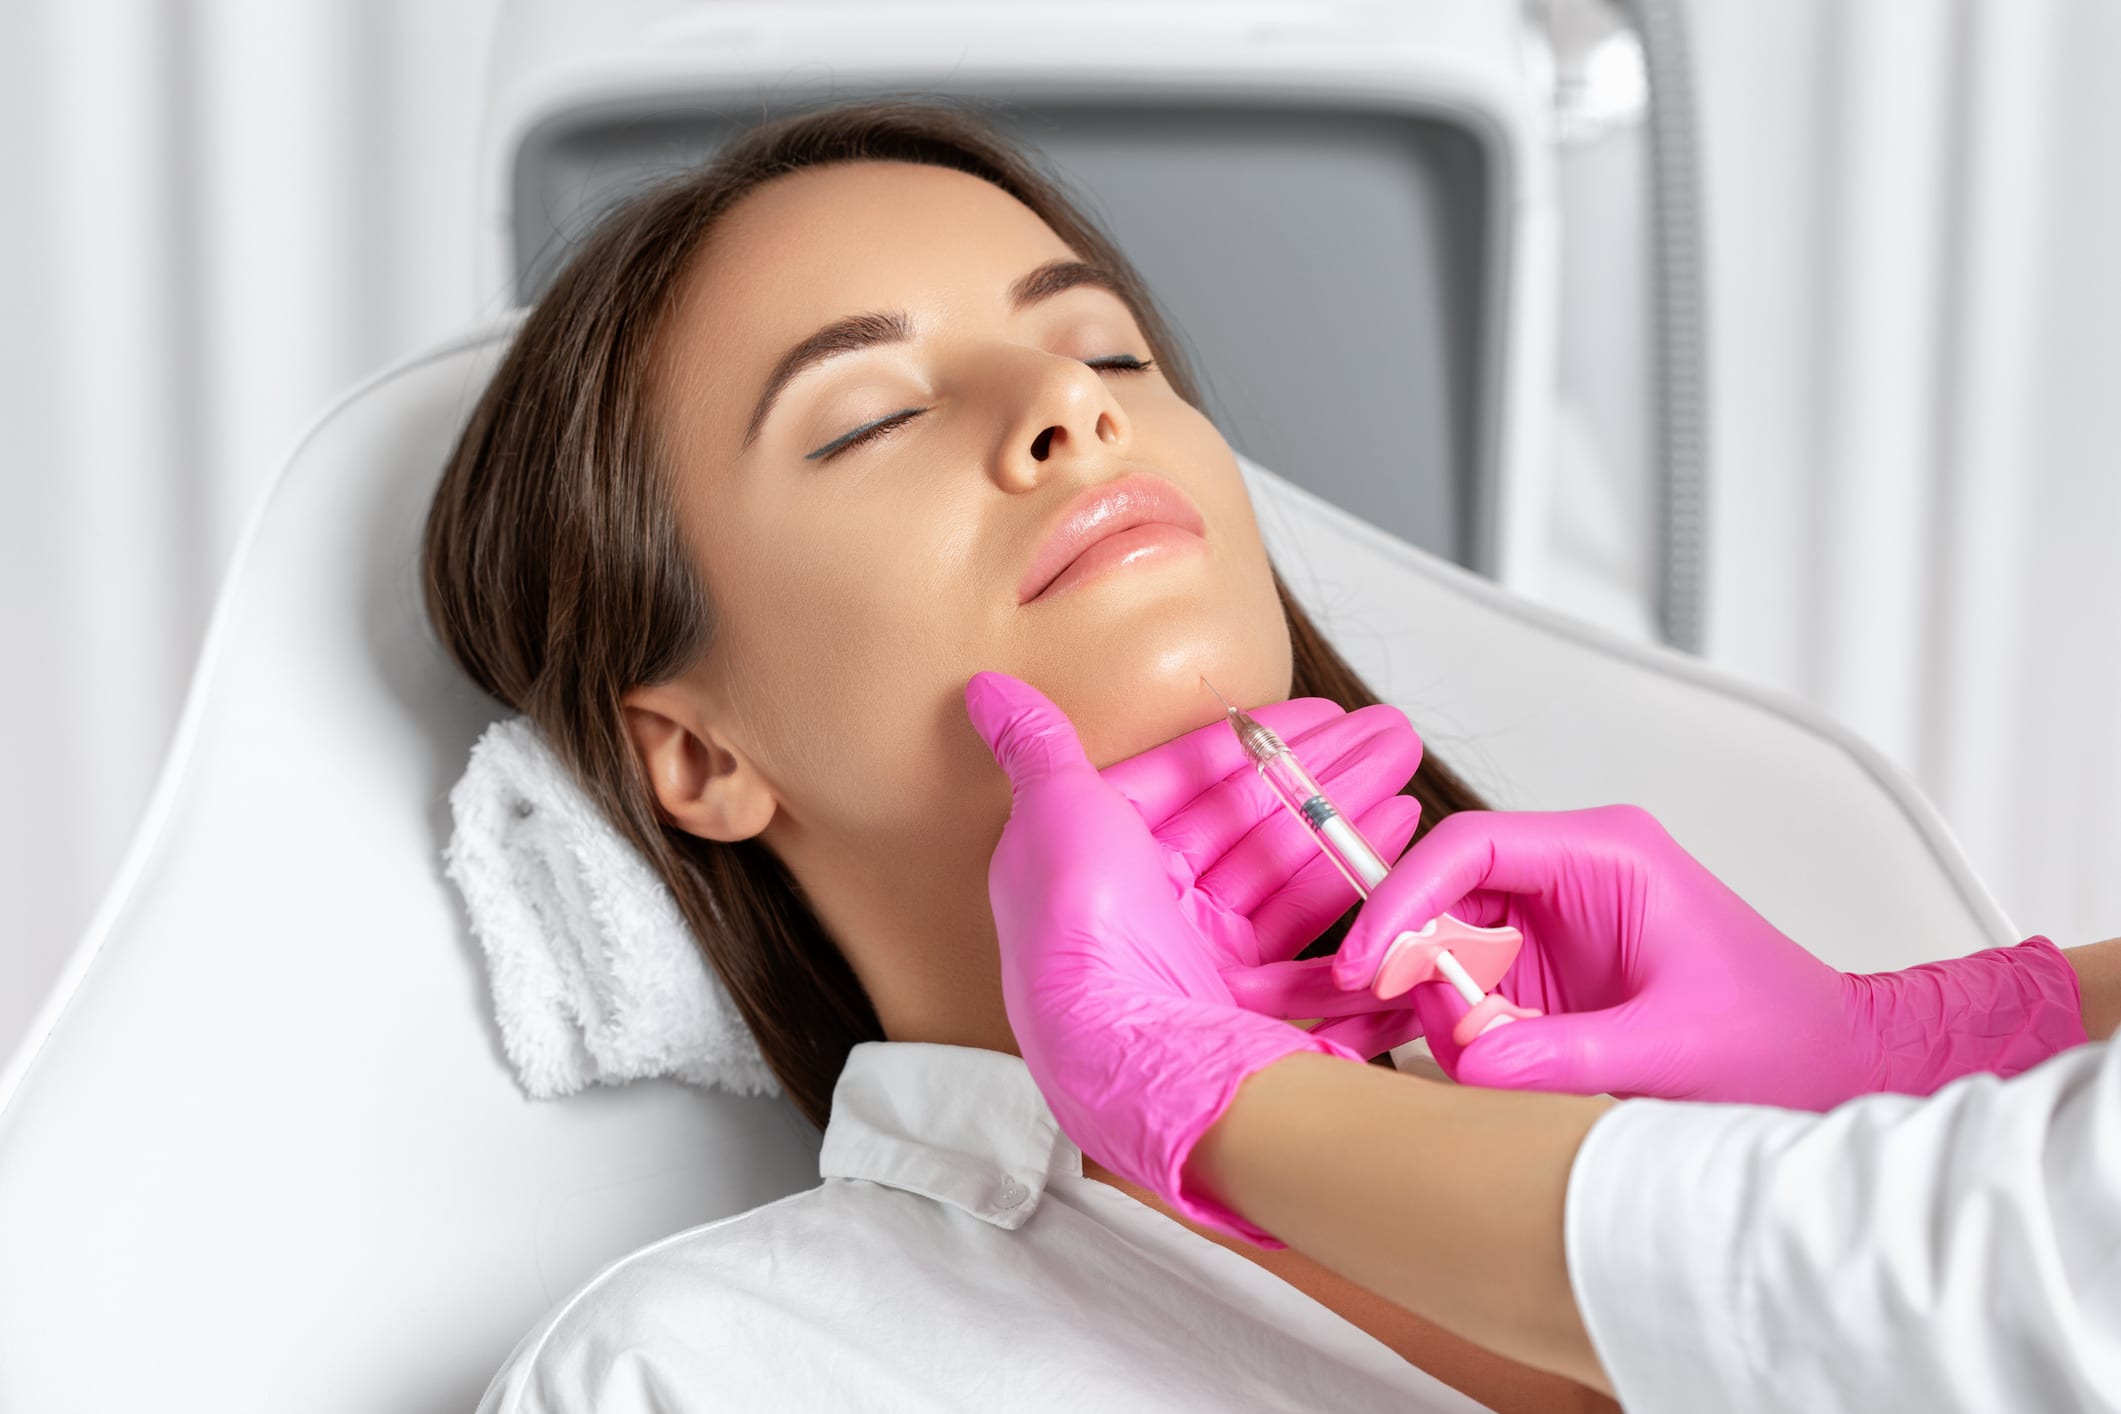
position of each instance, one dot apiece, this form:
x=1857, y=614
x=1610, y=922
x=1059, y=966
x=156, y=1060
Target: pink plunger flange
x=1484, y=953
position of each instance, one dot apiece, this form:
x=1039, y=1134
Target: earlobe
x=701, y=784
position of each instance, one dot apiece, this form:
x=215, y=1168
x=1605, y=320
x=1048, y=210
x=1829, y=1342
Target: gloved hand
x=1113, y=990
x=1252, y=880
x=1658, y=980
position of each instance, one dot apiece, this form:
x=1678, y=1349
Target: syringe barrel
x=1290, y=781
x=1337, y=834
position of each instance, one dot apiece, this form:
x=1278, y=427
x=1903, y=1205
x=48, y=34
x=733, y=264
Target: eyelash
x=1118, y=363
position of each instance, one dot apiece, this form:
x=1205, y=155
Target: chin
x=1141, y=684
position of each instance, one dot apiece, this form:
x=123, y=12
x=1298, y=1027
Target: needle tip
x=1260, y=742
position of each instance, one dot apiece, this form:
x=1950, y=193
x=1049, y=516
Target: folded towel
x=596, y=978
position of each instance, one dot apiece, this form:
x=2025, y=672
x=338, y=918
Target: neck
x=915, y=925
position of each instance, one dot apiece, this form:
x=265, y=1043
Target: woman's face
x=858, y=583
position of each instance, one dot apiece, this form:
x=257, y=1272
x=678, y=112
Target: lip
x=1099, y=512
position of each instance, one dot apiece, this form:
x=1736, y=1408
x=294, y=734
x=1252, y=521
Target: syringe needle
x=1218, y=695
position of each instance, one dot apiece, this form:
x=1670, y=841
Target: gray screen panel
x=1332, y=270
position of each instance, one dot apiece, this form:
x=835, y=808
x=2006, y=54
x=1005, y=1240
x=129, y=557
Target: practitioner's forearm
x=2098, y=968
x=1446, y=1201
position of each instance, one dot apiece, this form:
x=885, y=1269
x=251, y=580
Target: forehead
x=824, y=242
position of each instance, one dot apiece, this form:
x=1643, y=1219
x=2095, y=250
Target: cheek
x=847, y=671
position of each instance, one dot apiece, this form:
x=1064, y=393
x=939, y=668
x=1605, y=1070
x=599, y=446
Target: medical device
x=1414, y=957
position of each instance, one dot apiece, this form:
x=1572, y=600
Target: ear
x=705, y=786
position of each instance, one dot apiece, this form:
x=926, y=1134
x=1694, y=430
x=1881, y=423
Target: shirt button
x=1010, y=1193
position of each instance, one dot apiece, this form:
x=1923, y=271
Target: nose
x=1065, y=422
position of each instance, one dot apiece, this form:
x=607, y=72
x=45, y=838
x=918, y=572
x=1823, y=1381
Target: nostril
x=1042, y=445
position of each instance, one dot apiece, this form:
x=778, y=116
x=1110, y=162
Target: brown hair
x=554, y=572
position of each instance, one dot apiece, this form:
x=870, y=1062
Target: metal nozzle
x=1260, y=742
x=1258, y=739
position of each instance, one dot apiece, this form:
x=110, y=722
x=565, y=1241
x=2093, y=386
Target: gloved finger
x=1166, y=778
x=1612, y=1052
x=1373, y=1033
x=1290, y=918
x=1238, y=831
x=1352, y=751
x=1292, y=990
x=1483, y=908
x=1439, y=1006
x=1473, y=849
x=1032, y=740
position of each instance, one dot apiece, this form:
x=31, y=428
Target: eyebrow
x=891, y=326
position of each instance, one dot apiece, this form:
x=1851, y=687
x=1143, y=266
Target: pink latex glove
x=1658, y=980
x=1114, y=992
x=1252, y=879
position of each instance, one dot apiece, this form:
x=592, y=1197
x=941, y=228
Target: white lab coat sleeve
x=1959, y=1252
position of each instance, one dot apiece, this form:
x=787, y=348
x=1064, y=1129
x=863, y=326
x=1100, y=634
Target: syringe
x=1412, y=955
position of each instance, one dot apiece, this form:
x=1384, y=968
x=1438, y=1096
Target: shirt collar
x=961, y=1125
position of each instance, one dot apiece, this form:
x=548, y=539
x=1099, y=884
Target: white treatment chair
x=261, y=1150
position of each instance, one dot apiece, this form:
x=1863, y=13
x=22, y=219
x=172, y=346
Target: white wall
x=219, y=216
x=1914, y=219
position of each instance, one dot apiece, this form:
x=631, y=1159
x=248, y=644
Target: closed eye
x=884, y=426
x=868, y=432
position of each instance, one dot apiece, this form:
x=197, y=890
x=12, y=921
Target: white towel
x=596, y=978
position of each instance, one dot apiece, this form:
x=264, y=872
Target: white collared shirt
x=1953, y=1254
x=954, y=1258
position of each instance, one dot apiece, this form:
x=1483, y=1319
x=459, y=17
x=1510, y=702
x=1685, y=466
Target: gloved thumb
x=1439, y=1008
x=1579, y=1053
x=1030, y=737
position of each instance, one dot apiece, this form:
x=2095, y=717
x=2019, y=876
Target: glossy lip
x=1100, y=511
